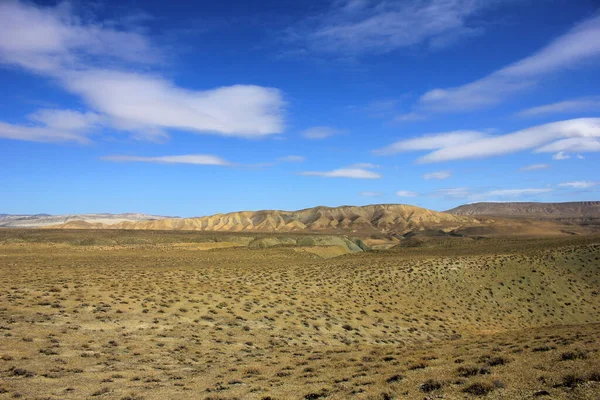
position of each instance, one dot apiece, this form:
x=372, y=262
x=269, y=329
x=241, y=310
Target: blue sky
x=206, y=107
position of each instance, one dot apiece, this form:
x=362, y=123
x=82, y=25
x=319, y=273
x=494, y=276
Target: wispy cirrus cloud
x=406, y=193
x=371, y=194
x=452, y=193
x=561, y=156
x=107, y=67
x=431, y=142
x=515, y=192
x=360, y=27
x=439, y=175
x=50, y=125
x=584, y=104
x=320, y=132
x=534, y=167
x=364, y=165
x=352, y=173
x=580, y=44
x=581, y=135
x=469, y=194
x=292, y=159
x=195, y=159
x=579, y=184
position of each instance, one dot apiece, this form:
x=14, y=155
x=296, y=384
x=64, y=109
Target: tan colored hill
x=581, y=212
x=43, y=220
x=388, y=218
x=381, y=221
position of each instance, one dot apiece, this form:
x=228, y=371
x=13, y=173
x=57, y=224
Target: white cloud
x=432, y=142
x=196, y=159
x=53, y=126
x=355, y=27
x=364, y=165
x=440, y=175
x=40, y=134
x=144, y=101
x=69, y=120
x=409, y=117
x=568, y=51
x=354, y=173
x=583, y=144
x=371, y=194
x=576, y=135
x=535, y=167
x=561, y=156
x=453, y=193
x=46, y=39
x=320, y=132
x=567, y=106
x=579, y=184
x=99, y=64
x=292, y=159
x=406, y=193
x=514, y=192
x=580, y=157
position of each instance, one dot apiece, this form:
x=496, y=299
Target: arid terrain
x=113, y=314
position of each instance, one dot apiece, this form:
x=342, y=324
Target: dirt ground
x=160, y=317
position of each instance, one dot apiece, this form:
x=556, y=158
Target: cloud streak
x=320, y=132
x=352, y=173
x=534, y=167
x=406, y=193
x=570, y=135
x=580, y=44
x=580, y=105
x=361, y=27
x=440, y=175
x=579, y=184
x=194, y=159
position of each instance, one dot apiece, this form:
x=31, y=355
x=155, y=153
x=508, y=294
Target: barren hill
x=392, y=220
x=396, y=218
x=581, y=212
x=42, y=220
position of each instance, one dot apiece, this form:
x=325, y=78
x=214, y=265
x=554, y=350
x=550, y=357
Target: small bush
x=466, y=372
x=570, y=381
x=573, y=355
x=430, y=386
x=479, y=389
x=395, y=378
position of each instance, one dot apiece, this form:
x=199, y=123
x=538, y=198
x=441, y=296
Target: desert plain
x=120, y=314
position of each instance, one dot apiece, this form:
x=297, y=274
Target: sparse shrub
x=479, y=389
x=492, y=362
x=100, y=392
x=415, y=366
x=570, y=381
x=466, y=372
x=21, y=372
x=430, y=385
x=594, y=376
x=395, y=378
x=541, y=349
x=573, y=355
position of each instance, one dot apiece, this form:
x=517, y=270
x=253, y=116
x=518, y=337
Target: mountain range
x=389, y=219
x=44, y=220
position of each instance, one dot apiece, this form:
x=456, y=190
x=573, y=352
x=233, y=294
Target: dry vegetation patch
x=153, y=320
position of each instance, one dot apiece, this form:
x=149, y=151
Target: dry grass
x=498, y=319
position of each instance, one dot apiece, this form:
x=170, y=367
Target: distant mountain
x=43, y=220
x=396, y=218
x=581, y=211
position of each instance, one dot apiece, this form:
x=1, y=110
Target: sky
x=195, y=108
